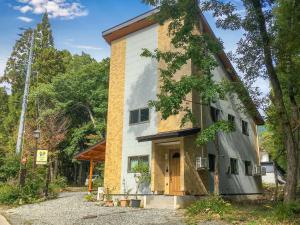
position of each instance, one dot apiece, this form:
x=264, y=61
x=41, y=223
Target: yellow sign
x=41, y=157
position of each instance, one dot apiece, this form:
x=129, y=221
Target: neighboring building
x=136, y=133
x=271, y=170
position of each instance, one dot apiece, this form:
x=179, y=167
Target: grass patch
x=248, y=213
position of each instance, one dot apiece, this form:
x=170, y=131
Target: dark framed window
x=139, y=116
x=211, y=162
x=231, y=118
x=144, y=114
x=215, y=114
x=135, y=160
x=234, y=166
x=248, y=168
x=245, y=128
x=134, y=116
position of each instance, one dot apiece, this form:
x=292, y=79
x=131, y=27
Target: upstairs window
x=139, y=116
x=144, y=115
x=133, y=161
x=211, y=162
x=234, y=166
x=245, y=128
x=248, y=168
x=231, y=118
x=215, y=114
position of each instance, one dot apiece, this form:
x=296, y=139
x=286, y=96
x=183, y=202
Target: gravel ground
x=71, y=209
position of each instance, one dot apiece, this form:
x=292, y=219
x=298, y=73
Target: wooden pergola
x=95, y=153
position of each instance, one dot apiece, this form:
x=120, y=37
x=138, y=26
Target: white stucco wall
x=235, y=145
x=140, y=87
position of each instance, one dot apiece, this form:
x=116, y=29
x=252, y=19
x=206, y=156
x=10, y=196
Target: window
x=135, y=160
x=245, y=128
x=134, y=117
x=139, y=116
x=248, y=168
x=211, y=162
x=231, y=118
x=144, y=114
x=215, y=114
x=233, y=166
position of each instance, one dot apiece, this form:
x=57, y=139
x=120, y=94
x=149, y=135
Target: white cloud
x=25, y=19
x=87, y=47
x=70, y=42
x=2, y=67
x=65, y=9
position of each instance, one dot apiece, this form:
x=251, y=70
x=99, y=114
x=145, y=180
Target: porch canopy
x=95, y=153
x=169, y=134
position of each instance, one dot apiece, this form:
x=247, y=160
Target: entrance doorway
x=174, y=174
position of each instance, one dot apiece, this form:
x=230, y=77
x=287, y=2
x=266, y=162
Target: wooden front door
x=174, y=174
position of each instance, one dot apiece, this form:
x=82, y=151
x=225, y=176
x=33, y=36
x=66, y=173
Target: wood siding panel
x=113, y=159
x=196, y=182
x=164, y=44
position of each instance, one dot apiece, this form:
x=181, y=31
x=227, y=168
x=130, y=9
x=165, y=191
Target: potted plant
x=142, y=176
x=108, y=198
x=125, y=202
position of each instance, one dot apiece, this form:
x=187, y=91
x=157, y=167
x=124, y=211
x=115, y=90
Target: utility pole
x=25, y=97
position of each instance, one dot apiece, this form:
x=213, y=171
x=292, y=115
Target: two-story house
x=136, y=133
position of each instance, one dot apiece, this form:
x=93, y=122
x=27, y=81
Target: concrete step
x=159, y=202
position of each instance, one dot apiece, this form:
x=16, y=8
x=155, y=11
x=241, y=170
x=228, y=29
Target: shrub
x=209, y=205
x=9, y=194
x=57, y=185
x=98, y=182
x=89, y=198
x=286, y=211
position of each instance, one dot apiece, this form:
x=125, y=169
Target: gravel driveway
x=71, y=209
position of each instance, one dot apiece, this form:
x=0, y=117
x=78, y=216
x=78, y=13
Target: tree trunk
x=75, y=173
x=46, y=190
x=80, y=174
x=217, y=168
x=55, y=168
x=292, y=154
x=276, y=182
x=51, y=171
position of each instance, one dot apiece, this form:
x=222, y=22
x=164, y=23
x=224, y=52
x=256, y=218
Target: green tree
x=191, y=44
x=257, y=56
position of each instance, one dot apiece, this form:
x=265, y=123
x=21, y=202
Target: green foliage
x=209, y=134
x=98, y=182
x=142, y=175
x=11, y=193
x=56, y=186
x=8, y=193
x=210, y=205
x=89, y=198
x=288, y=211
x=9, y=168
x=190, y=46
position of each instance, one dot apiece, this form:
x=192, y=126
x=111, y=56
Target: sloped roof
x=95, y=153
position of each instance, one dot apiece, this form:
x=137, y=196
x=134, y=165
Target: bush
x=286, y=211
x=209, y=205
x=89, y=198
x=98, y=182
x=57, y=185
x=9, y=194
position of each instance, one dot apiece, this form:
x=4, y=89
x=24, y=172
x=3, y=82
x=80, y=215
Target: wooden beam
x=90, y=177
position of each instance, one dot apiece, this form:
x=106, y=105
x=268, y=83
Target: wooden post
x=90, y=177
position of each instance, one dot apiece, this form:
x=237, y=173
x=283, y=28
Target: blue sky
x=78, y=30
x=77, y=24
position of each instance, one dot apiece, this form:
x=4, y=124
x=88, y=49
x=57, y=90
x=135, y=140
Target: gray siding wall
x=140, y=87
x=234, y=145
